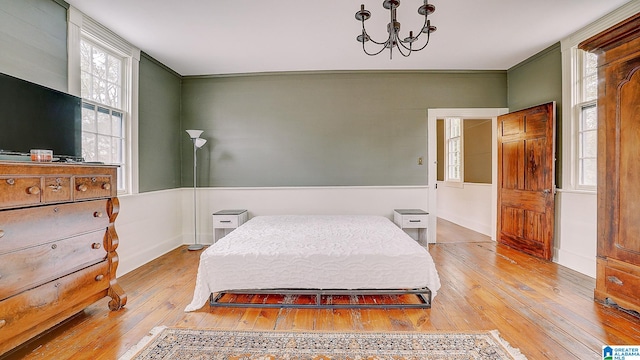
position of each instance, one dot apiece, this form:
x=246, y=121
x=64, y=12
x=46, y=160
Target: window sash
x=453, y=149
x=104, y=120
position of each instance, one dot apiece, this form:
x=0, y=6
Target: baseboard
x=580, y=263
x=482, y=228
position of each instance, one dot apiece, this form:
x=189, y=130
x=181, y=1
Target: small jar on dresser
x=57, y=245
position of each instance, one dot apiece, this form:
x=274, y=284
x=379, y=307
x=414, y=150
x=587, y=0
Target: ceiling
x=206, y=37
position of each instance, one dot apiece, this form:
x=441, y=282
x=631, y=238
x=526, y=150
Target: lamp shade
x=194, y=134
x=199, y=142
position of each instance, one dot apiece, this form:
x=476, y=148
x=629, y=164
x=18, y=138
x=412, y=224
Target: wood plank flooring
x=545, y=310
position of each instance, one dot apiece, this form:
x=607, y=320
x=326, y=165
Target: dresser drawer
x=30, y=309
x=90, y=187
x=622, y=282
x=56, y=189
x=18, y=228
x=30, y=267
x=19, y=191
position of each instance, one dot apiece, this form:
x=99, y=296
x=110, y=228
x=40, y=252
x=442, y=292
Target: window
x=103, y=71
x=587, y=118
x=453, y=149
x=103, y=115
x=579, y=105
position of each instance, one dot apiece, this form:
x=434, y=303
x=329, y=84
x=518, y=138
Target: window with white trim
x=587, y=121
x=453, y=149
x=104, y=71
x=103, y=113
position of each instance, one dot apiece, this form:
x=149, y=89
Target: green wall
x=33, y=42
x=538, y=80
x=159, y=126
x=334, y=128
x=477, y=151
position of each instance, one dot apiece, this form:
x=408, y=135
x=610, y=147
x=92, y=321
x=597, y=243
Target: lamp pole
x=198, y=142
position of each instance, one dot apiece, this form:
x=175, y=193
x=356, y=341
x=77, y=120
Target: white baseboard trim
x=582, y=264
x=482, y=228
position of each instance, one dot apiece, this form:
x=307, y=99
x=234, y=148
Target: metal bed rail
x=423, y=294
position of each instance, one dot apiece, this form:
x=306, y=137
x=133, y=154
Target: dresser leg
x=118, y=297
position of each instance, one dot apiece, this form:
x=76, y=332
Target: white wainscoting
x=576, y=231
x=340, y=200
x=154, y=223
x=470, y=206
x=148, y=225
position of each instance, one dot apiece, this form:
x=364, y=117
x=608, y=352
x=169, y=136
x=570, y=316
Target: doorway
x=432, y=151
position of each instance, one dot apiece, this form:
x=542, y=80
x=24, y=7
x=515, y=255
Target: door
x=526, y=180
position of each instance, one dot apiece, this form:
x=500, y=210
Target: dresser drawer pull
x=415, y=221
x=106, y=186
x=54, y=246
x=99, y=277
x=1, y=233
x=615, y=280
x=55, y=188
x=225, y=221
x=82, y=187
x=96, y=246
x=11, y=181
x=3, y=323
x=97, y=214
x=33, y=190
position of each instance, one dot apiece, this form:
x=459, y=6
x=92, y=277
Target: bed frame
x=424, y=294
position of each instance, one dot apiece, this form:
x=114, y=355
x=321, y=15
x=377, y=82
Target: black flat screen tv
x=37, y=117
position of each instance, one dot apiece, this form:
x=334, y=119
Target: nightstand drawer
x=414, y=221
x=225, y=221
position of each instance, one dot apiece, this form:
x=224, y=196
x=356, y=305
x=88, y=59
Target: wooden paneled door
x=526, y=180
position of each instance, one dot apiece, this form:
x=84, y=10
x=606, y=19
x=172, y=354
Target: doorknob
x=546, y=191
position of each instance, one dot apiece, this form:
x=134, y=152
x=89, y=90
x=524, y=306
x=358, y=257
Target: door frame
x=432, y=151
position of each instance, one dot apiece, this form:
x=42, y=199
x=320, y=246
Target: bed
x=315, y=253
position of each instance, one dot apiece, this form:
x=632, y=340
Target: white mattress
x=314, y=252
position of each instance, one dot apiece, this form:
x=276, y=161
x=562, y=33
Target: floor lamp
x=198, y=142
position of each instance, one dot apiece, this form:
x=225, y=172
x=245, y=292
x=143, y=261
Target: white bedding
x=314, y=252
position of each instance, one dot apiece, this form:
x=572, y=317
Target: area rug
x=188, y=344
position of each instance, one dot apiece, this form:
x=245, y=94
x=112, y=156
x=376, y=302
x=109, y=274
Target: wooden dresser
x=618, y=261
x=57, y=245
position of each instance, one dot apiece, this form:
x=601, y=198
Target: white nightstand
x=224, y=221
x=412, y=219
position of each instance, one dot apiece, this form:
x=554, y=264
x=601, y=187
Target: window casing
x=453, y=150
x=104, y=70
x=586, y=135
x=578, y=108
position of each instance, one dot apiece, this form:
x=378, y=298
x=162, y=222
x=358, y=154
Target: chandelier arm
x=425, y=44
x=364, y=33
x=410, y=50
x=373, y=54
x=417, y=37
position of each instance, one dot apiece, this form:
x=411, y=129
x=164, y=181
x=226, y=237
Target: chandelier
x=405, y=47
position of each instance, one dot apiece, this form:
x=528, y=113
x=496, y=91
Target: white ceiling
x=202, y=37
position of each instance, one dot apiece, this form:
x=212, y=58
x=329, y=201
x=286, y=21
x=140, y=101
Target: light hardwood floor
x=545, y=310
